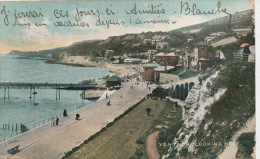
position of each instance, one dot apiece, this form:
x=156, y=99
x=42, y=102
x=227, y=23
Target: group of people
x=55, y=122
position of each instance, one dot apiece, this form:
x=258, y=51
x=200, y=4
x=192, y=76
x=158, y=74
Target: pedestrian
x=65, y=113
x=106, y=95
x=57, y=121
x=53, y=122
x=77, y=116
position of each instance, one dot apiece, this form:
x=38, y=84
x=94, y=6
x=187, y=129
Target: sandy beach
x=118, y=69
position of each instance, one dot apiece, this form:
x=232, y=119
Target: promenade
x=53, y=141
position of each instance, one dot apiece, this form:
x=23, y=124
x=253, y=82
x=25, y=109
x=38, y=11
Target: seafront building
x=199, y=58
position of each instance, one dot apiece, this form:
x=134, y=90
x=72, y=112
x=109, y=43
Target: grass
x=120, y=140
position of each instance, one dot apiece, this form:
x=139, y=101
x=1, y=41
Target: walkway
x=52, y=142
x=151, y=147
x=231, y=150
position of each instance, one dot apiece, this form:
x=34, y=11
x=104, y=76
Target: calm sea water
x=20, y=109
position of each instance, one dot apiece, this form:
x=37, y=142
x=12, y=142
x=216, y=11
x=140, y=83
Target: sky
x=18, y=20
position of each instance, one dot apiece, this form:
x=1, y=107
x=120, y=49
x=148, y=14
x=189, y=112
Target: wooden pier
x=68, y=86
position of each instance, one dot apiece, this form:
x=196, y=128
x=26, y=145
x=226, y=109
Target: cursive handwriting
x=153, y=21
x=3, y=11
x=81, y=13
x=28, y=14
x=152, y=10
x=71, y=24
x=193, y=10
x=107, y=23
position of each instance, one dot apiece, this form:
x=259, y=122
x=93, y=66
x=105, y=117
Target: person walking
x=57, y=121
x=53, y=122
x=65, y=113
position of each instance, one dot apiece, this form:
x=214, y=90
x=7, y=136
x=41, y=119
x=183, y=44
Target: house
x=159, y=70
x=151, y=54
x=199, y=58
x=109, y=53
x=242, y=32
x=246, y=53
x=132, y=60
x=170, y=59
x=162, y=46
x=113, y=81
x=153, y=71
x=148, y=71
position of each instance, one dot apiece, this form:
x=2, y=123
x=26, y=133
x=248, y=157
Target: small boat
x=35, y=103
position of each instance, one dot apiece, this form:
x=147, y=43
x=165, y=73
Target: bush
x=246, y=143
x=140, y=141
x=139, y=152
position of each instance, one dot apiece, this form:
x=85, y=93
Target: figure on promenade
x=77, y=116
x=106, y=95
x=53, y=122
x=57, y=121
x=65, y=113
x=148, y=110
x=108, y=103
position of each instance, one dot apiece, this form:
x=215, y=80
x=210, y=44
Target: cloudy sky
x=18, y=30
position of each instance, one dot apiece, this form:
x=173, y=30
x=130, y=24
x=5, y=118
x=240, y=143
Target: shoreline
x=81, y=61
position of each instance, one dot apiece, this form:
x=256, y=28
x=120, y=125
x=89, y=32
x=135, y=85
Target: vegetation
x=245, y=143
x=167, y=136
x=159, y=93
x=238, y=100
x=129, y=132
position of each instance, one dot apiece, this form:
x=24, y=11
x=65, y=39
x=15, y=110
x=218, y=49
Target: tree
x=148, y=110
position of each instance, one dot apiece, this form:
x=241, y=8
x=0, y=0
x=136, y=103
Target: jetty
x=69, y=86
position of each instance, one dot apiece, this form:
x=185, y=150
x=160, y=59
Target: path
x=52, y=142
x=151, y=147
x=231, y=150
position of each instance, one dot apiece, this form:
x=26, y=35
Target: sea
x=19, y=109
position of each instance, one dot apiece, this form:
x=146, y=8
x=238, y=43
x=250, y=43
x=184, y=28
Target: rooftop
x=200, y=43
x=114, y=78
x=162, y=68
x=151, y=65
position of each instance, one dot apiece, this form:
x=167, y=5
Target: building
x=113, y=81
x=170, y=59
x=148, y=74
x=199, y=58
x=162, y=45
x=245, y=54
x=242, y=32
x=132, y=61
x=151, y=54
x=159, y=70
x=109, y=53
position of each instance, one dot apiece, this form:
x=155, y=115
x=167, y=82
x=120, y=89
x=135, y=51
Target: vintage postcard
x=165, y=79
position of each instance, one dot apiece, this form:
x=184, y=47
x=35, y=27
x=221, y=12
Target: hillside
x=142, y=42
x=208, y=110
